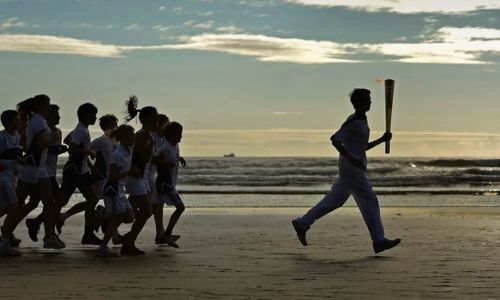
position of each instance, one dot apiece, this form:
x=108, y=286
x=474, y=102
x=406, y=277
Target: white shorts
x=116, y=205
x=171, y=198
x=31, y=174
x=7, y=194
x=136, y=187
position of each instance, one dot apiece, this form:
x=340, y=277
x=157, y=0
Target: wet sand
x=253, y=253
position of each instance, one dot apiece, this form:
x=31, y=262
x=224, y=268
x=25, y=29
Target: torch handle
x=389, y=94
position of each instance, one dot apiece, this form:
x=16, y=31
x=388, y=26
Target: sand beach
x=252, y=253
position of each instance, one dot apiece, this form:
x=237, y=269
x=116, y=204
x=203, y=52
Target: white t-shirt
x=8, y=141
x=80, y=136
x=159, y=141
x=36, y=124
x=51, y=162
x=105, y=145
x=354, y=135
x=172, y=155
x=122, y=160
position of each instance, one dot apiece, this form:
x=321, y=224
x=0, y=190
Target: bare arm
x=386, y=137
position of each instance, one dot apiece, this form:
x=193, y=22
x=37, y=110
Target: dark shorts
x=72, y=180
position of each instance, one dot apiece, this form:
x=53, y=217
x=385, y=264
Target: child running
x=138, y=186
x=167, y=160
x=158, y=203
x=116, y=203
x=352, y=142
x=10, y=153
x=53, y=153
x=77, y=173
x=33, y=176
x=103, y=147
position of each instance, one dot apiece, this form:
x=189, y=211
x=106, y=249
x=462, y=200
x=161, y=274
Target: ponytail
x=131, y=110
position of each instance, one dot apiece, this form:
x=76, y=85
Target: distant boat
x=229, y=155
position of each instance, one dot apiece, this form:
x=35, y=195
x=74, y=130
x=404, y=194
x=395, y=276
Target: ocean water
x=299, y=181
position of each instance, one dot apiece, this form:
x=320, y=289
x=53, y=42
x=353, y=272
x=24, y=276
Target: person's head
x=361, y=100
x=87, y=114
x=162, y=120
x=108, y=122
x=54, y=116
x=39, y=104
x=125, y=135
x=173, y=132
x=10, y=120
x=148, y=115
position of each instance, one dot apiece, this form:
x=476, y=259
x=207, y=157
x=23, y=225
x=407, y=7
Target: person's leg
x=16, y=213
x=334, y=199
x=113, y=225
x=45, y=193
x=367, y=201
x=179, y=209
x=158, y=216
x=143, y=210
x=90, y=216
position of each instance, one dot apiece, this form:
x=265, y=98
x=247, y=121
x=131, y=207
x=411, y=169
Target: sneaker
x=53, y=243
x=117, y=239
x=301, y=233
x=385, y=245
x=105, y=252
x=175, y=237
x=60, y=241
x=14, y=242
x=169, y=240
x=33, y=229
x=160, y=240
x=131, y=250
x=7, y=250
x=91, y=239
x=59, y=225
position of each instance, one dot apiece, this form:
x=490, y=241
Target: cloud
x=229, y=29
x=133, y=27
x=448, y=45
x=204, y=25
x=56, y=44
x=407, y=6
x=11, y=23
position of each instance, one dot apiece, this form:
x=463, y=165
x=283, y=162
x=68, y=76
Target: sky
x=266, y=77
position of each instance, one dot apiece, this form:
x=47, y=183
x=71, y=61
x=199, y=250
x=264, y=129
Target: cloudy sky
x=266, y=77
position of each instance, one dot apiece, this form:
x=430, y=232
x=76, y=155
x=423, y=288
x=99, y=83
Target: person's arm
x=342, y=150
x=67, y=138
x=384, y=138
x=164, y=160
x=143, y=142
x=182, y=161
x=74, y=149
x=42, y=141
x=115, y=175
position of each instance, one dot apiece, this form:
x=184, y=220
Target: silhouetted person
x=138, y=186
x=10, y=153
x=116, y=203
x=167, y=160
x=352, y=142
x=77, y=172
x=53, y=153
x=33, y=175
